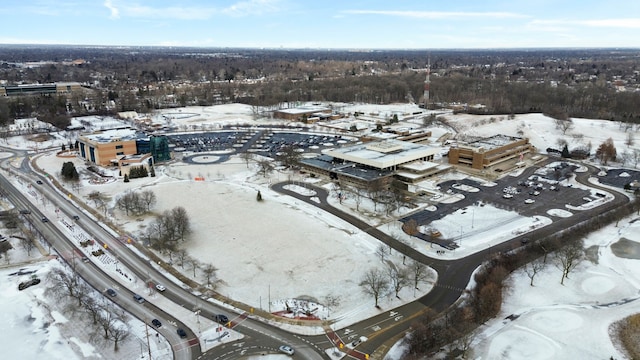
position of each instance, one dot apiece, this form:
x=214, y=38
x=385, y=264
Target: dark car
x=138, y=298
x=222, y=319
x=111, y=292
x=156, y=323
x=181, y=333
x=25, y=212
x=45, y=220
x=76, y=217
x=26, y=284
x=39, y=182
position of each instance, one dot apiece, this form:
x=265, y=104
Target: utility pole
x=146, y=328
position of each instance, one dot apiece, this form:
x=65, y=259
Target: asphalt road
x=259, y=337
x=453, y=275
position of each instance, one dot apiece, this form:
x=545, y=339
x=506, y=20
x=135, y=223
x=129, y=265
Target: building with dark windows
x=490, y=152
x=107, y=147
x=39, y=89
x=157, y=146
x=364, y=163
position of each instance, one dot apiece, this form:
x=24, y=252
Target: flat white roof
x=110, y=135
x=420, y=165
x=366, y=154
x=304, y=109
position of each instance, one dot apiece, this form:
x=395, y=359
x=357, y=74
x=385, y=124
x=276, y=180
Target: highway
x=262, y=337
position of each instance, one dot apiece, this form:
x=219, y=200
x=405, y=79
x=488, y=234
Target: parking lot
x=263, y=142
x=529, y=194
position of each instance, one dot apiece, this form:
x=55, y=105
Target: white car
x=286, y=349
x=529, y=201
x=507, y=196
x=160, y=287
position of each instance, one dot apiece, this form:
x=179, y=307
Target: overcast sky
x=358, y=24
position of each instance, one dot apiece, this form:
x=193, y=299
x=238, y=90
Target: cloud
x=626, y=23
x=251, y=7
x=115, y=13
x=436, y=14
x=173, y=12
x=240, y=8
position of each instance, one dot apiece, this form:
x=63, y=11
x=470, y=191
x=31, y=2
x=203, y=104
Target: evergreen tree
x=565, y=152
x=259, y=196
x=69, y=171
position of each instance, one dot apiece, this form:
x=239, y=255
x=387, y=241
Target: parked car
x=138, y=298
x=156, y=323
x=160, y=287
x=181, y=333
x=286, y=349
x=26, y=284
x=529, y=201
x=111, y=292
x=221, y=318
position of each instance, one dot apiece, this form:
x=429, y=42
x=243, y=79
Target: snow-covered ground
x=286, y=251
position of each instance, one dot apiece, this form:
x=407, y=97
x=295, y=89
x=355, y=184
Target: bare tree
x=399, y=278
x=209, y=274
x=569, y=257
x=182, y=255
x=374, y=283
x=118, y=333
x=181, y=221
x=28, y=241
x=419, y=273
x=11, y=220
x=113, y=322
x=636, y=157
x=65, y=283
x=93, y=307
x=630, y=139
x=194, y=264
x=289, y=156
x=564, y=125
x=533, y=268
x=381, y=251
x=265, y=167
x=129, y=202
x=247, y=157
x=376, y=190
x=149, y=199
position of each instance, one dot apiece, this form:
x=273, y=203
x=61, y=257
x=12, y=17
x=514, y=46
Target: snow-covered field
x=282, y=249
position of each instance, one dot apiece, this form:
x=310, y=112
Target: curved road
x=453, y=275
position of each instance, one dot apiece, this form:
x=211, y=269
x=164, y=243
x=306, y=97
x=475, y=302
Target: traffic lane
x=91, y=273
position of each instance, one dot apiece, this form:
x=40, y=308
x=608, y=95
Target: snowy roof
x=420, y=166
x=305, y=109
x=112, y=135
x=493, y=142
x=382, y=154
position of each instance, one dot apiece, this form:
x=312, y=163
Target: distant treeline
x=575, y=83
